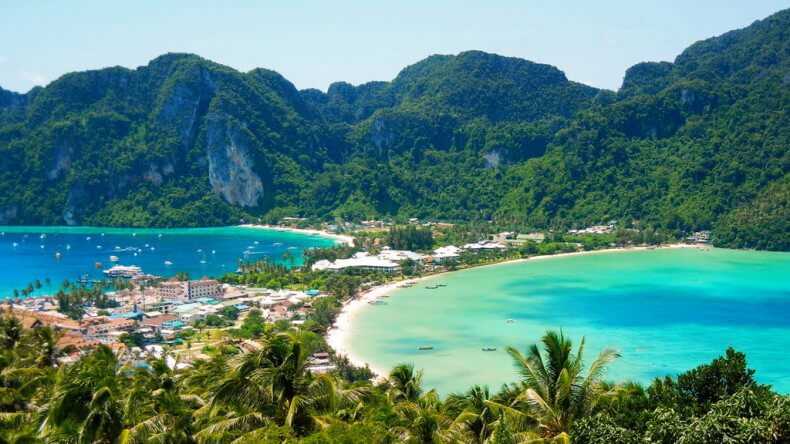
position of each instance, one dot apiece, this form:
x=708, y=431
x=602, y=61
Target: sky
x=315, y=43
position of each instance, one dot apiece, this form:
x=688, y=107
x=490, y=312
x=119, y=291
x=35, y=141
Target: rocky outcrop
x=230, y=163
x=62, y=161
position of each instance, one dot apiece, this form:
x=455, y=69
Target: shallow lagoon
x=29, y=253
x=665, y=310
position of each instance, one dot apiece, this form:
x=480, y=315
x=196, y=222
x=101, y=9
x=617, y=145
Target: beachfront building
x=485, y=245
x=399, y=255
x=595, y=229
x=360, y=261
x=442, y=255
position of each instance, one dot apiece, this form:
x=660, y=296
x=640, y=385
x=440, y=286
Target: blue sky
x=314, y=43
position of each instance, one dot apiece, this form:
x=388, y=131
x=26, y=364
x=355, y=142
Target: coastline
x=340, y=238
x=339, y=335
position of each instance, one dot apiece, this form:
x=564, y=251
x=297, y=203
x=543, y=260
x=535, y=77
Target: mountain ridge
x=184, y=141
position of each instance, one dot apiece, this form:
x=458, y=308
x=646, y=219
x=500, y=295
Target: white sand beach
x=344, y=239
x=338, y=337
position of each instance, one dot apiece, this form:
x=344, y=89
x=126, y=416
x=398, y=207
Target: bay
x=58, y=253
x=666, y=311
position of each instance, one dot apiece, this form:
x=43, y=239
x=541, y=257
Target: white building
x=446, y=254
x=204, y=288
x=399, y=255
x=485, y=245
x=360, y=261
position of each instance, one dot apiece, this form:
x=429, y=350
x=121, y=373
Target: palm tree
x=272, y=387
x=422, y=421
x=84, y=400
x=553, y=383
x=472, y=415
x=156, y=409
x=405, y=384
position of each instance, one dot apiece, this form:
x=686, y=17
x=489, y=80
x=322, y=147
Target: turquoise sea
x=29, y=253
x=665, y=310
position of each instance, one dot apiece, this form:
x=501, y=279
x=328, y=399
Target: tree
x=553, y=382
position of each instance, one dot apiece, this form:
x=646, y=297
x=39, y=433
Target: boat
x=124, y=271
x=489, y=349
x=113, y=258
x=432, y=287
x=425, y=347
x=441, y=285
x=168, y=263
x=510, y=321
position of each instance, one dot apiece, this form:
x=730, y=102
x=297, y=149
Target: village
x=150, y=315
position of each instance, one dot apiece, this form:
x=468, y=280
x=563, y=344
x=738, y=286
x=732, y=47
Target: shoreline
x=340, y=238
x=339, y=335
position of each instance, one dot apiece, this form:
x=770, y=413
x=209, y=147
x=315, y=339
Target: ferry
x=124, y=271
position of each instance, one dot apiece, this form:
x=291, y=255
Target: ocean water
x=665, y=311
x=29, y=253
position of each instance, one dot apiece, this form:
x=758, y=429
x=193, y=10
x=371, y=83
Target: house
x=157, y=323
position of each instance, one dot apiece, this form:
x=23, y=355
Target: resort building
x=399, y=255
x=485, y=245
x=446, y=254
x=360, y=261
x=595, y=229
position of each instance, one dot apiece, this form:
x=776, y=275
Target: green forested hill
x=701, y=143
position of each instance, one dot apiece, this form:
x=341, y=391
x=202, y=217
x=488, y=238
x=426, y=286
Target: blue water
x=25, y=255
x=665, y=311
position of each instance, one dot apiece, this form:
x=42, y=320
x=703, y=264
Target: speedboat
x=425, y=347
x=168, y=263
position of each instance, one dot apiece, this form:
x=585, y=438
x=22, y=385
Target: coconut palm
x=85, y=399
x=272, y=386
x=472, y=414
x=553, y=383
x=423, y=421
x=405, y=384
x=157, y=410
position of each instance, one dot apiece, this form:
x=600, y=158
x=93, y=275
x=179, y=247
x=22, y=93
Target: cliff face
x=474, y=136
x=230, y=164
